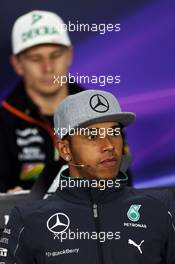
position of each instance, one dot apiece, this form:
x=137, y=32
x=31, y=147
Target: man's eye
x=116, y=132
x=56, y=55
x=34, y=59
x=92, y=137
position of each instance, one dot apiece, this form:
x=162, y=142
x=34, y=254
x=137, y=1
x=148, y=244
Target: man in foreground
x=93, y=217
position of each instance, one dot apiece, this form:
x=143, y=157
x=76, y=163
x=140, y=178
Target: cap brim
x=41, y=42
x=124, y=118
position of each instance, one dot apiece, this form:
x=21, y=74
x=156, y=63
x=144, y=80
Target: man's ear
x=16, y=64
x=63, y=148
x=70, y=56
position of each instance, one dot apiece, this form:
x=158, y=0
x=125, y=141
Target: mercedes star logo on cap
x=99, y=103
x=58, y=223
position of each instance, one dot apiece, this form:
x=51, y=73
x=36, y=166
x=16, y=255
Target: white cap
x=38, y=27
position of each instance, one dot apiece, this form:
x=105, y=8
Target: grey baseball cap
x=89, y=107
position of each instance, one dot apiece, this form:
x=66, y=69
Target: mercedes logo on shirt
x=99, y=103
x=58, y=223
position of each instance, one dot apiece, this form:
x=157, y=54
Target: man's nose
x=107, y=144
x=47, y=65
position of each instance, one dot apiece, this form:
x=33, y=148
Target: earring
x=68, y=158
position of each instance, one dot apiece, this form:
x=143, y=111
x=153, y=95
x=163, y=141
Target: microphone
x=68, y=158
x=77, y=165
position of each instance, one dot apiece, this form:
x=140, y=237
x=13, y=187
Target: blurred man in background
x=41, y=50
